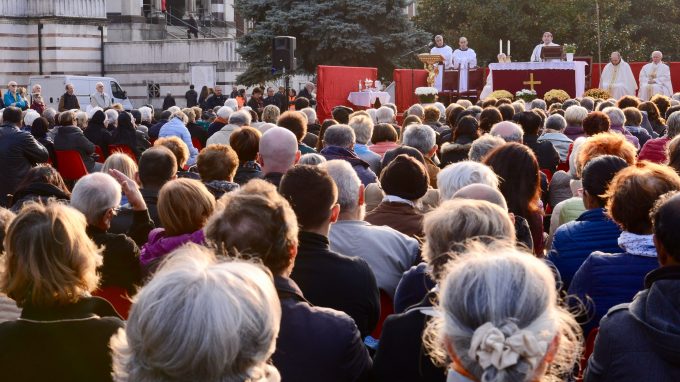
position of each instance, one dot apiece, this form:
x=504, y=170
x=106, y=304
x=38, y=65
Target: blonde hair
x=49, y=259
x=513, y=294
x=190, y=113
x=179, y=114
x=271, y=114
x=178, y=148
x=184, y=206
x=122, y=163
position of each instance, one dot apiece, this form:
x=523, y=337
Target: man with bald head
x=655, y=78
x=509, y=131
x=278, y=153
x=99, y=98
x=617, y=77
x=464, y=58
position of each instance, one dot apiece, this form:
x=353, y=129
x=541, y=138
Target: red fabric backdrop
x=406, y=81
x=334, y=83
x=636, y=67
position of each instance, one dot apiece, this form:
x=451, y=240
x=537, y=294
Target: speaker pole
x=287, y=85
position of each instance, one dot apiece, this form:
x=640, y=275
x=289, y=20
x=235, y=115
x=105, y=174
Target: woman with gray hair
x=500, y=320
x=575, y=115
x=200, y=320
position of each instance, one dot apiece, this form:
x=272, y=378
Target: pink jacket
x=655, y=150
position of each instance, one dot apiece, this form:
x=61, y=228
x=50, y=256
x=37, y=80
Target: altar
x=569, y=76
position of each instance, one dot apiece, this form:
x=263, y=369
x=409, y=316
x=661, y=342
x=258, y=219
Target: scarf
x=638, y=245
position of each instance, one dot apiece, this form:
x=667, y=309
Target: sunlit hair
x=200, y=320
x=513, y=293
x=270, y=114
x=184, y=206
x=605, y=144
x=49, y=259
x=217, y=162
x=94, y=194
x=122, y=163
x=458, y=175
x=177, y=146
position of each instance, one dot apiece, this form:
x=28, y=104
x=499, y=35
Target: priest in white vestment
x=547, y=41
x=617, y=77
x=464, y=58
x=655, y=78
x=447, y=53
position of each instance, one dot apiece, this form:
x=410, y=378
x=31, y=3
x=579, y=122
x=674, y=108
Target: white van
x=53, y=87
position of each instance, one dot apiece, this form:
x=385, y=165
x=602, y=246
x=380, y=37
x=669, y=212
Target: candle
x=508, y=48
x=500, y=46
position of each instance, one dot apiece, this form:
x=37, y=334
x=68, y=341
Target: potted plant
x=426, y=94
x=570, y=50
x=526, y=95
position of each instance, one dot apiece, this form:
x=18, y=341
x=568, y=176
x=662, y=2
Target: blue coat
x=17, y=101
x=175, y=127
x=362, y=168
x=576, y=240
x=609, y=279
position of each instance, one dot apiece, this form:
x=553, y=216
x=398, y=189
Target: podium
x=431, y=62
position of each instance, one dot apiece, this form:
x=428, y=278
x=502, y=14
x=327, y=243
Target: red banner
x=334, y=83
x=543, y=80
x=406, y=81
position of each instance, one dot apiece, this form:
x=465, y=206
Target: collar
x=397, y=199
x=311, y=238
x=638, y=245
x=92, y=230
x=287, y=288
x=84, y=308
x=593, y=214
x=669, y=272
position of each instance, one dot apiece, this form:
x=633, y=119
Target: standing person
x=193, y=27
x=191, y=96
x=655, y=78
x=234, y=92
x=217, y=99
x=271, y=99
x=255, y=102
x=241, y=98
x=444, y=50
x=37, y=102
x=203, y=97
x=169, y=101
x=464, y=58
x=68, y=100
x=13, y=97
x=617, y=77
x=547, y=41
x=292, y=95
x=283, y=100
x=308, y=92
x=99, y=98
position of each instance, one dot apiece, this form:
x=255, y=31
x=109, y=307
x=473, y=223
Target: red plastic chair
x=100, y=153
x=118, y=297
x=70, y=165
x=588, y=351
x=386, y=308
x=125, y=149
x=548, y=173
x=197, y=144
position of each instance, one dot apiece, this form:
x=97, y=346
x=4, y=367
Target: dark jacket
x=247, y=171
x=400, y=216
x=454, y=153
x=66, y=343
x=215, y=100
x=609, y=279
x=305, y=93
x=220, y=187
x=640, y=133
x=361, y=167
x=401, y=354
x=19, y=151
x=68, y=102
x=122, y=223
x=575, y=241
x=168, y=102
x=256, y=104
x=72, y=138
x=547, y=156
x=216, y=126
x=197, y=132
x=192, y=98
x=156, y=129
x=134, y=139
x=37, y=192
x=273, y=178
x=283, y=101
x=273, y=100
x=640, y=341
x=336, y=281
x=316, y=344
x=97, y=134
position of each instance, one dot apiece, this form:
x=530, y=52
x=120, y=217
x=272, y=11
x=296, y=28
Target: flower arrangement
x=526, y=95
x=597, y=93
x=426, y=94
x=569, y=48
x=556, y=95
x=498, y=94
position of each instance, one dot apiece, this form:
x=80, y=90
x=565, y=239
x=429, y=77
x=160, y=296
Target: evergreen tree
x=373, y=33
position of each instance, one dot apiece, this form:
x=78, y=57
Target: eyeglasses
x=115, y=210
x=13, y=86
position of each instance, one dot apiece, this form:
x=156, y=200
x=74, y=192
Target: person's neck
x=350, y=215
x=320, y=230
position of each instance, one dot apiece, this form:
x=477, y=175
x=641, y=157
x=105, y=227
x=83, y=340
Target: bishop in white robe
x=547, y=41
x=618, y=78
x=655, y=78
x=464, y=58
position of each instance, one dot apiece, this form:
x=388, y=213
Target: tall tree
x=373, y=33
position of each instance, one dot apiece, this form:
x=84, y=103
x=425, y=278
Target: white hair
x=458, y=175
x=111, y=117
x=417, y=110
x=310, y=114
x=30, y=117
x=224, y=112
x=363, y=128
x=483, y=145
x=442, y=109
x=509, y=131
x=264, y=126
x=575, y=114
x=347, y=181
x=616, y=115
x=371, y=113
x=312, y=159
x=339, y=135
x=676, y=96
x=174, y=109
x=555, y=122
x=232, y=103
x=94, y=194
x=146, y=113
x=420, y=137
x=384, y=114
x=538, y=104
x=673, y=123
x=278, y=148
x=464, y=103
x=200, y=320
x=92, y=110
x=240, y=118
x=504, y=291
x=81, y=119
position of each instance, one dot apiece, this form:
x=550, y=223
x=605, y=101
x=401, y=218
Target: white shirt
x=446, y=52
x=464, y=57
x=536, y=55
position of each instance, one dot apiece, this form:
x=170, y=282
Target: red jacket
x=655, y=150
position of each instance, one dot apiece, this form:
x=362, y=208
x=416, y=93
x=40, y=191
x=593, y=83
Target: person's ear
x=335, y=213
x=259, y=159
x=362, y=197
x=297, y=157
x=292, y=252
x=434, y=150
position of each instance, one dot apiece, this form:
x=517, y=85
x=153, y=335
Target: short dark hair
x=598, y=173
x=596, y=122
x=341, y=114
x=301, y=103
x=217, y=162
x=467, y=127
x=191, y=87
x=384, y=132
x=157, y=166
x=507, y=111
x=530, y=122
x=165, y=114
x=633, y=116
x=489, y=117
x=311, y=192
x=257, y=90
x=11, y=114
x=246, y=142
x=627, y=101
x=666, y=220
x=295, y=122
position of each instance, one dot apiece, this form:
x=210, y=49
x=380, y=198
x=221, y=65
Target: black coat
x=66, y=343
x=546, y=154
x=123, y=222
x=19, y=151
x=156, y=129
x=168, y=102
x=37, y=192
x=316, y=344
x=215, y=100
x=134, y=139
x=197, y=132
x=247, y=171
x=72, y=138
x=336, y=281
x=191, y=97
x=97, y=134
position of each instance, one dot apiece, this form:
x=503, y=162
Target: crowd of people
x=250, y=241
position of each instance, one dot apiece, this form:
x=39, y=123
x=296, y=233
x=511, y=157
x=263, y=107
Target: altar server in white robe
x=464, y=58
x=447, y=53
x=617, y=77
x=655, y=78
x=547, y=41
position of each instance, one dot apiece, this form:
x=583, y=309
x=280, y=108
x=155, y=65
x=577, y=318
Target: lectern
x=430, y=61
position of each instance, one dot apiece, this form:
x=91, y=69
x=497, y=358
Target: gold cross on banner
x=531, y=81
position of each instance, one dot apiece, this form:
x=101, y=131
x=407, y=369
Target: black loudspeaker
x=283, y=53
